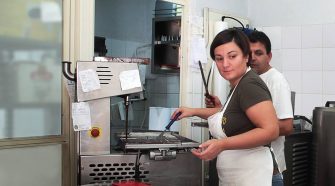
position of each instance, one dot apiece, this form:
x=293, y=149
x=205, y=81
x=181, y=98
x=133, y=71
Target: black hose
x=296, y=117
x=66, y=69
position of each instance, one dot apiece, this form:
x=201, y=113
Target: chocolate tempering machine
x=143, y=155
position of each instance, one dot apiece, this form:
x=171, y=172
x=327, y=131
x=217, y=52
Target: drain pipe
x=66, y=69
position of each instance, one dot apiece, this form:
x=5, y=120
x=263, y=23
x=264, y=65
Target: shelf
x=166, y=44
x=172, y=43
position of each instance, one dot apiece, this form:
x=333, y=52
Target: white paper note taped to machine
x=89, y=80
x=130, y=79
x=81, y=116
x=159, y=118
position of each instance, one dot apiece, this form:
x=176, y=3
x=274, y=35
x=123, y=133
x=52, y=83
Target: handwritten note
x=81, y=116
x=130, y=79
x=89, y=80
x=198, y=51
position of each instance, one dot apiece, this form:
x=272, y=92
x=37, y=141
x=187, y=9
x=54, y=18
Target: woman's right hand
x=209, y=149
x=212, y=101
x=185, y=112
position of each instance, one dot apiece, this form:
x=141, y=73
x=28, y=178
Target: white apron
x=243, y=167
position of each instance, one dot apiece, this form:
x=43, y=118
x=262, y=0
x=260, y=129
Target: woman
x=246, y=123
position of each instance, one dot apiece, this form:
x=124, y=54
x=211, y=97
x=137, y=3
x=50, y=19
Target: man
x=261, y=55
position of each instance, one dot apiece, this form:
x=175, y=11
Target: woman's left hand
x=208, y=150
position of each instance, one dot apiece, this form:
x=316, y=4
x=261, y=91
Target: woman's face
x=230, y=61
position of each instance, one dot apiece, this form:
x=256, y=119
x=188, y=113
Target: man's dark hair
x=259, y=36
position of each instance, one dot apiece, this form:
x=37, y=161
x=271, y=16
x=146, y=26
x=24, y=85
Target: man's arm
x=285, y=126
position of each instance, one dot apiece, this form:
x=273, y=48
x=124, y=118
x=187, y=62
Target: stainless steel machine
x=142, y=155
x=323, y=164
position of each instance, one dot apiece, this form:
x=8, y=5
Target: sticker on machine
x=89, y=80
x=130, y=79
x=81, y=116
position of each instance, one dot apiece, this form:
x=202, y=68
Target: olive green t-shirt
x=250, y=91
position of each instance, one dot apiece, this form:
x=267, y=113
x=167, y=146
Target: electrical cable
x=223, y=17
x=145, y=112
x=137, y=166
x=297, y=117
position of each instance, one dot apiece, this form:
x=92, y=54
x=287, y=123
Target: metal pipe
x=66, y=69
x=126, y=102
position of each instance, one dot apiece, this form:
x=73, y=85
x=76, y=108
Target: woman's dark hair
x=258, y=36
x=229, y=35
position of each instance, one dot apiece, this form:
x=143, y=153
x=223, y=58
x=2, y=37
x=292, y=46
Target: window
x=30, y=68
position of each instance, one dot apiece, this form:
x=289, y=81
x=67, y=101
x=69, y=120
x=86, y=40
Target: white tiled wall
x=311, y=59
x=276, y=60
x=309, y=38
x=163, y=91
x=305, y=54
x=291, y=37
x=291, y=59
x=328, y=36
x=328, y=58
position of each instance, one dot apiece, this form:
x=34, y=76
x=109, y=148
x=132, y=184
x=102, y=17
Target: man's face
x=260, y=60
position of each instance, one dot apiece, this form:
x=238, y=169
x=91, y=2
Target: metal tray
x=150, y=140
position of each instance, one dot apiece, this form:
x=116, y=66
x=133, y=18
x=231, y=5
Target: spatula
x=167, y=128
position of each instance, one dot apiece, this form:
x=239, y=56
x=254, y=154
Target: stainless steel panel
x=293, y=100
x=108, y=73
x=100, y=116
x=180, y=145
x=298, y=156
x=108, y=168
x=185, y=170
x=324, y=146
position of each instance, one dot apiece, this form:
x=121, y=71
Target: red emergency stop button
x=95, y=132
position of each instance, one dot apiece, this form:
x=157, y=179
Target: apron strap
x=275, y=164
